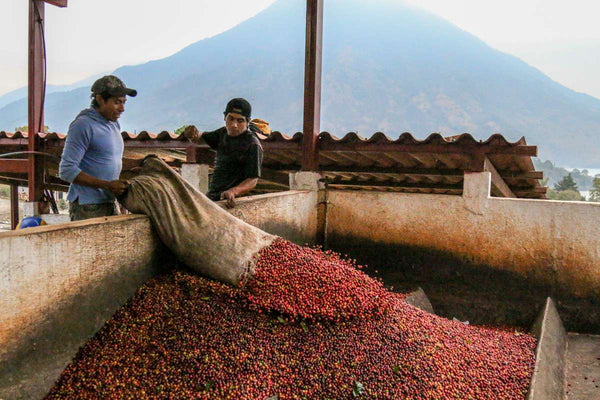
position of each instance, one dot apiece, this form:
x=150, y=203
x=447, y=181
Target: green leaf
x=304, y=327
x=396, y=369
x=204, y=298
x=358, y=389
x=282, y=320
x=209, y=385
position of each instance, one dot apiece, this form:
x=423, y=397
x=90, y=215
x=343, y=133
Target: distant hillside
x=555, y=174
x=21, y=93
x=386, y=67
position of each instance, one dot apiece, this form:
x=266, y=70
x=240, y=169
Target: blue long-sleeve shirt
x=94, y=145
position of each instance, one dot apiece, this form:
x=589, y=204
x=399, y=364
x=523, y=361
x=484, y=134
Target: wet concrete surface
x=583, y=367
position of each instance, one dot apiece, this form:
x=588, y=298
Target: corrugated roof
x=435, y=164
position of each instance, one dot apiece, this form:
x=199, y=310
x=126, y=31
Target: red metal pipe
x=312, y=84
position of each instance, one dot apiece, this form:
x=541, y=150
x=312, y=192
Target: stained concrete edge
x=547, y=381
x=419, y=299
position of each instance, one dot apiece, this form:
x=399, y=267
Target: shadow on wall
x=458, y=288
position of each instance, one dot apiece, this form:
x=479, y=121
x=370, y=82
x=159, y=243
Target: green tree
x=565, y=195
x=595, y=192
x=566, y=183
x=25, y=128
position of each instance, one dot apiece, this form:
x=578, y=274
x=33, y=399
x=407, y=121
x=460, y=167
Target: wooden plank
x=14, y=166
x=497, y=182
x=312, y=84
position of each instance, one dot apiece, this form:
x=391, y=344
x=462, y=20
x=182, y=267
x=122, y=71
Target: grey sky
x=560, y=38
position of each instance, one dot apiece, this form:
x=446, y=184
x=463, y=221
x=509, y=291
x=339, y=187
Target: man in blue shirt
x=93, y=152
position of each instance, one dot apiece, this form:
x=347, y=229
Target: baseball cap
x=239, y=106
x=112, y=85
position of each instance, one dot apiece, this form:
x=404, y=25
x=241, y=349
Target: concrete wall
x=291, y=214
x=550, y=241
x=58, y=285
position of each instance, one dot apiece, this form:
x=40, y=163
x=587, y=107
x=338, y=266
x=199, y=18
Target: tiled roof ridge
x=406, y=138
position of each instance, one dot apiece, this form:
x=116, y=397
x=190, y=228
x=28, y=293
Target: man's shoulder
x=254, y=139
x=81, y=122
x=219, y=132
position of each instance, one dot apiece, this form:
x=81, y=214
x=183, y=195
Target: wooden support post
x=36, y=91
x=312, y=84
x=498, y=185
x=14, y=205
x=35, y=97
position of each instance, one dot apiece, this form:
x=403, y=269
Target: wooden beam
x=14, y=166
x=357, y=183
x=14, y=205
x=498, y=183
x=521, y=192
x=199, y=155
x=18, y=144
x=54, y=184
x=522, y=174
x=312, y=84
x=274, y=176
x=58, y=3
x=376, y=170
x=525, y=151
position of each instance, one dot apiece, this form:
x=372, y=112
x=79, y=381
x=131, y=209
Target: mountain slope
x=386, y=67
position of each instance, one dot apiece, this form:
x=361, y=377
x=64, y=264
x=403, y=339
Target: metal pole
x=35, y=97
x=14, y=205
x=312, y=84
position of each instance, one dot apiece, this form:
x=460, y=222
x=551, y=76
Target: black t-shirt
x=238, y=158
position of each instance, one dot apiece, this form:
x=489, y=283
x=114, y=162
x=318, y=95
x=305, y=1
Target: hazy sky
x=561, y=38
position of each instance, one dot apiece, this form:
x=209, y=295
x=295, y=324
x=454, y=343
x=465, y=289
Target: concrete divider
x=419, y=299
x=547, y=382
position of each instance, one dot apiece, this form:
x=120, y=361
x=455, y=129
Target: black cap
x=112, y=85
x=239, y=106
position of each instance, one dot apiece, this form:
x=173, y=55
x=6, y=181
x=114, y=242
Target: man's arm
x=76, y=145
x=243, y=188
x=197, y=137
x=118, y=187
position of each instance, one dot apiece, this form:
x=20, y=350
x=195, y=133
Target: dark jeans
x=77, y=211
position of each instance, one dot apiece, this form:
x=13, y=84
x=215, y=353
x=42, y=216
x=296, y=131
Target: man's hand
x=191, y=133
x=118, y=187
x=229, y=195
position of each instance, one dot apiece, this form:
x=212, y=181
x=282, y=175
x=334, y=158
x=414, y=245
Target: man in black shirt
x=239, y=153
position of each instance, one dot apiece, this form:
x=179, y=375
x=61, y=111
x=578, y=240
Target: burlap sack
x=201, y=234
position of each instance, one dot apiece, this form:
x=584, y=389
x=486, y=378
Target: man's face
x=236, y=124
x=112, y=108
